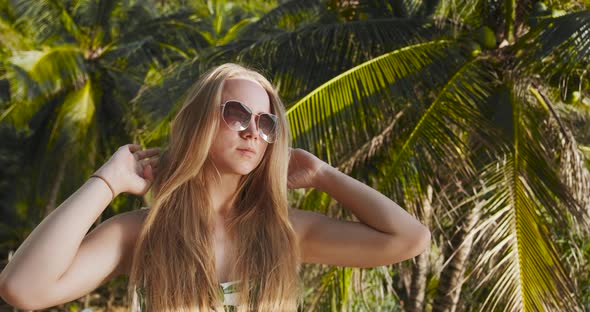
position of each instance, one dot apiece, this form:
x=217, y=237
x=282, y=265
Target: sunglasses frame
x=264, y=136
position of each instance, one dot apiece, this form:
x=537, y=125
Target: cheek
x=262, y=152
x=219, y=143
x=223, y=136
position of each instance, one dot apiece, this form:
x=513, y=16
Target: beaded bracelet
x=105, y=181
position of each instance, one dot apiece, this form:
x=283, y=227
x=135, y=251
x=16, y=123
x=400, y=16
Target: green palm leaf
x=53, y=69
x=525, y=198
x=332, y=292
x=96, y=17
x=76, y=114
x=572, y=169
x=318, y=117
x=321, y=51
x=469, y=12
x=144, y=41
x=557, y=47
x=11, y=38
x=287, y=17
x=44, y=19
x=35, y=76
x=524, y=268
x=437, y=136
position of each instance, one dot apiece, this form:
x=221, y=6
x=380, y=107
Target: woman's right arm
x=58, y=262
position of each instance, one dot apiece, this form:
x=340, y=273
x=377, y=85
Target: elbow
x=422, y=240
x=410, y=245
x=11, y=296
x=14, y=296
x=419, y=242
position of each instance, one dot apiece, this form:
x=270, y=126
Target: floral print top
x=229, y=290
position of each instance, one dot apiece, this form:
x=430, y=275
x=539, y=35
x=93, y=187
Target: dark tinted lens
x=267, y=124
x=236, y=115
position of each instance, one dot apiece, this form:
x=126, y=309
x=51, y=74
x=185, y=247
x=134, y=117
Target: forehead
x=248, y=92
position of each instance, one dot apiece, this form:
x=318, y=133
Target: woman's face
x=240, y=152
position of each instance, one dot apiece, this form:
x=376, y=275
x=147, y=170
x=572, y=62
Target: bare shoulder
x=124, y=227
x=133, y=219
x=131, y=223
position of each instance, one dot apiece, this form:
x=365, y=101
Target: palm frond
x=456, y=105
x=35, y=76
x=96, y=16
x=337, y=108
x=332, y=291
x=159, y=40
x=435, y=137
x=468, y=12
x=557, y=47
x=371, y=147
x=572, y=168
x=287, y=17
x=523, y=268
x=160, y=101
x=53, y=69
x=45, y=19
x=321, y=51
x=76, y=114
x=399, y=9
x=524, y=193
x=12, y=38
x=234, y=30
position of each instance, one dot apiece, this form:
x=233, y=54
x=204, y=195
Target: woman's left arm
x=385, y=235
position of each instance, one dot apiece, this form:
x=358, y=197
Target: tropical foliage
x=473, y=115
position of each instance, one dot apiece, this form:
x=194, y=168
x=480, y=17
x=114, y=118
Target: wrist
x=108, y=181
x=103, y=181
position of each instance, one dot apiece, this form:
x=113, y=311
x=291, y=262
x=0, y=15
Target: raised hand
x=131, y=169
x=304, y=169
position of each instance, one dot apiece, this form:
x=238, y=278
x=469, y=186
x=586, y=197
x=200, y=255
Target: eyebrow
x=250, y=107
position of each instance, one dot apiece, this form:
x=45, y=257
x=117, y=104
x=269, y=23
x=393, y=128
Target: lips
x=247, y=150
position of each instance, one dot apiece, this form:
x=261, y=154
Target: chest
x=224, y=249
x=224, y=255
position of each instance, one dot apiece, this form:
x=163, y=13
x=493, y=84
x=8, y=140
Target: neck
x=223, y=194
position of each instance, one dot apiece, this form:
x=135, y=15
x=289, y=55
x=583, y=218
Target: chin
x=241, y=170
x=247, y=169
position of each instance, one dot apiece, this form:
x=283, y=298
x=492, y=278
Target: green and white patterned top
x=229, y=290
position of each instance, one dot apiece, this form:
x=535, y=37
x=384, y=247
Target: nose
x=252, y=130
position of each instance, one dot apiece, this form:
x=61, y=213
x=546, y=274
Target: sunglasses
x=237, y=117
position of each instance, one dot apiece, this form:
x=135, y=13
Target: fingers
x=151, y=152
x=153, y=162
x=134, y=147
x=146, y=153
x=148, y=174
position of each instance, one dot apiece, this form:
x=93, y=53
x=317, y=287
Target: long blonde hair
x=173, y=259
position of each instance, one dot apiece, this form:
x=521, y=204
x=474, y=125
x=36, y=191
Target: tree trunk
x=56, y=186
x=451, y=278
x=421, y=264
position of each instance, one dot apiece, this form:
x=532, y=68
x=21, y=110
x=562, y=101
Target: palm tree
x=70, y=85
x=485, y=147
x=70, y=70
x=444, y=117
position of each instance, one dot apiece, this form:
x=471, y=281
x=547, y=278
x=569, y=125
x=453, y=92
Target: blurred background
x=471, y=114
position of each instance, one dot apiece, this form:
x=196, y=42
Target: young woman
x=219, y=218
